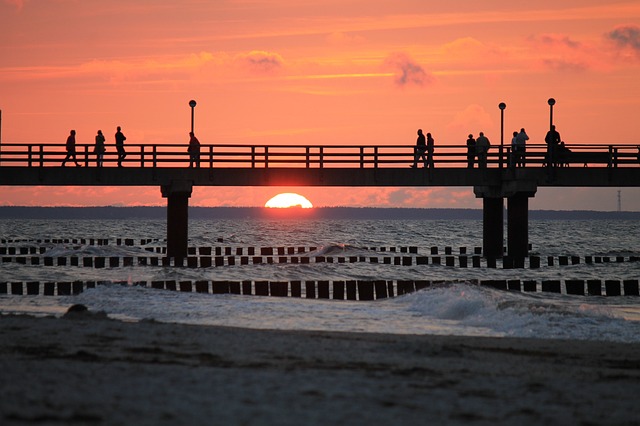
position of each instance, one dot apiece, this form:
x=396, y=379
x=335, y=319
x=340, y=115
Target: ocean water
x=455, y=305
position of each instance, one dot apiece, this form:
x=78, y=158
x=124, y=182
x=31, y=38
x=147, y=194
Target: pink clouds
x=407, y=71
x=473, y=119
x=19, y=4
x=259, y=61
x=626, y=38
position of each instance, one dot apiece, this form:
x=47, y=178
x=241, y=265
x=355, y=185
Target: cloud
x=342, y=38
x=559, y=52
x=558, y=40
x=259, y=61
x=473, y=119
x=19, y=4
x=626, y=37
x=407, y=71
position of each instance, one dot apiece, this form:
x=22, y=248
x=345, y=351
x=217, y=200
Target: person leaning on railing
x=99, y=148
x=482, y=148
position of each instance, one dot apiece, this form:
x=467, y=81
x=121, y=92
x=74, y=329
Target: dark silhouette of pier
x=167, y=167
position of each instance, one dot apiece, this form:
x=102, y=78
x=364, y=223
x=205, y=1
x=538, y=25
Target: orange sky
x=318, y=72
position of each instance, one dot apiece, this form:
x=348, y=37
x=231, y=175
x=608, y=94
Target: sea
x=455, y=304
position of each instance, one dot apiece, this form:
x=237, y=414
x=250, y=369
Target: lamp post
x=551, y=103
x=192, y=104
x=502, y=106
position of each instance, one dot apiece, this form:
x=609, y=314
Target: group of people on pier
x=100, y=148
x=478, y=148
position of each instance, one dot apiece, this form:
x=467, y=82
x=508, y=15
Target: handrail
x=306, y=156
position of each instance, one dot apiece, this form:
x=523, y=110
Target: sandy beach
x=86, y=369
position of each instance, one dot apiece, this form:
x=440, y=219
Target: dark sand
x=91, y=370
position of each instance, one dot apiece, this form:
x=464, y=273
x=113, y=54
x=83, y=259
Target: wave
x=522, y=315
x=340, y=249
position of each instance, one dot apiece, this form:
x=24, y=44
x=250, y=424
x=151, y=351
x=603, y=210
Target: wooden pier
x=167, y=167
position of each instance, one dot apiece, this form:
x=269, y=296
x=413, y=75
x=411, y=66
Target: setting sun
x=288, y=199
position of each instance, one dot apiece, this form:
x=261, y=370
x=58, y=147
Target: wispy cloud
x=407, y=71
x=560, y=52
x=473, y=119
x=19, y=4
x=626, y=37
x=260, y=61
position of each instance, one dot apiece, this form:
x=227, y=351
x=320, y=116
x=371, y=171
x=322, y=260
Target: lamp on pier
x=502, y=107
x=551, y=103
x=192, y=104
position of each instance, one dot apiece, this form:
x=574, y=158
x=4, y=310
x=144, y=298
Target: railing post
x=211, y=156
x=308, y=162
x=29, y=156
x=375, y=157
x=362, y=157
x=253, y=157
x=86, y=155
x=613, y=154
x=142, y=156
x=41, y=155
x=266, y=157
x=321, y=157
x=155, y=156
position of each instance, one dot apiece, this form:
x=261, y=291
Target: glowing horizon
x=292, y=73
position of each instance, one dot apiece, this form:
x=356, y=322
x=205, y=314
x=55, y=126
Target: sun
x=288, y=199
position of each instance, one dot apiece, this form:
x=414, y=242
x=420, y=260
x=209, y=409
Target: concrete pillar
x=177, y=194
x=492, y=226
x=518, y=225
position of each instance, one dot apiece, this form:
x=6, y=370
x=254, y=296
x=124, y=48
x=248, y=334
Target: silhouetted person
x=553, y=141
x=430, y=147
x=420, y=150
x=194, y=150
x=521, y=145
x=471, y=151
x=513, y=158
x=521, y=141
x=99, y=148
x=120, y=138
x=562, y=155
x=71, y=149
x=482, y=147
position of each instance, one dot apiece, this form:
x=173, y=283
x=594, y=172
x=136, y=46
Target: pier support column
x=492, y=226
x=518, y=225
x=177, y=194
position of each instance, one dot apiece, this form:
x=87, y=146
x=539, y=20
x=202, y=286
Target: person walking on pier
x=194, y=150
x=482, y=147
x=99, y=148
x=120, y=138
x=71, y=149
x=420, y=150
x=553, y=142
x=471, y=151
x=430, y=147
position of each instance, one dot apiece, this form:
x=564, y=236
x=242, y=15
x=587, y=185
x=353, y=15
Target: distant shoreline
x=361, y=213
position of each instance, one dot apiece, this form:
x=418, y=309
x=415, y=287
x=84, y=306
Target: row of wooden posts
x=338, y=290
x=463, y=261
x=228, y=250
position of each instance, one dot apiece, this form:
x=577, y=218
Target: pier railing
x=314, y=156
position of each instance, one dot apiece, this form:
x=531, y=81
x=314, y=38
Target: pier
x=167, y=167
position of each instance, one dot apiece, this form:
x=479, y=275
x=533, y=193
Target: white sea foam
x=446, y=309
